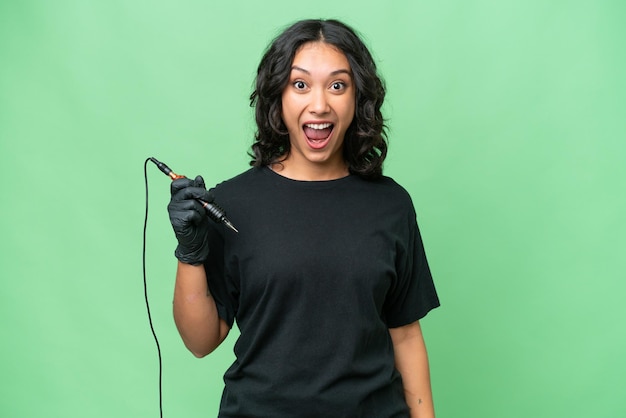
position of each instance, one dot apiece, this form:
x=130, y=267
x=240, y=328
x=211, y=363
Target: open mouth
x=318, y=134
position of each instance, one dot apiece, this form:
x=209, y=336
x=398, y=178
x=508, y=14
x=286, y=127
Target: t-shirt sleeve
x=221, y=286
x=413, y=293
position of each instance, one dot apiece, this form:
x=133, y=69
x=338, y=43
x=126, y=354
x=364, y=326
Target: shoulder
x=387, y=188
x=383, y=196
x=241, y=182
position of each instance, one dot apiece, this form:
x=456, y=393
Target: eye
x=338, y=86
x=299, y=85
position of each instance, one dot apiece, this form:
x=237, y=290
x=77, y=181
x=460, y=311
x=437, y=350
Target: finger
x=184, y=205
x=208, y=195
x=199, y=182
x=183, y=219
x=193, y=193
x=180, y=184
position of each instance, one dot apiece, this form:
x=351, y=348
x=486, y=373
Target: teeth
x=319, y=125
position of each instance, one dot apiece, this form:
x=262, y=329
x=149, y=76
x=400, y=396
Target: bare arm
x=412, y=363
x=195, y=314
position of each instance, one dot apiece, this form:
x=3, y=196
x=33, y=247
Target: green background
x=507, y=126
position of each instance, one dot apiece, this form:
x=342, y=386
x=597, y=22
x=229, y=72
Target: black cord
x=145, y=291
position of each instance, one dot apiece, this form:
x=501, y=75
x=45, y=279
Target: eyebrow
x=333, y=73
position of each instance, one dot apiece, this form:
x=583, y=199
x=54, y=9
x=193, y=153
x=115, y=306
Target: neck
x=312, y=172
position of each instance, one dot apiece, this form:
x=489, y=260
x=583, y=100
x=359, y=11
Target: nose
x=319, y=102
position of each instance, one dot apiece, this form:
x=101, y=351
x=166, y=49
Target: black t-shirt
x=315, y=277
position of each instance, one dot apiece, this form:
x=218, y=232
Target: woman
x=327, y=277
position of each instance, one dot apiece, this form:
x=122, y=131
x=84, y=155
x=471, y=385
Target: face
x=317, y=108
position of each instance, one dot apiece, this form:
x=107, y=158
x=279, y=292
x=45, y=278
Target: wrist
x=191, y=257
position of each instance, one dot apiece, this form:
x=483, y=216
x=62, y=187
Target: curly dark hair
x=365, y=142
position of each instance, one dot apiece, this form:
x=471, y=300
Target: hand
x=189, y=219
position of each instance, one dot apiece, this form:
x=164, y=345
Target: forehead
x=320, y=56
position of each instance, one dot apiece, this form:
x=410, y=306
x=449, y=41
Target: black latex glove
x=189, y=219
